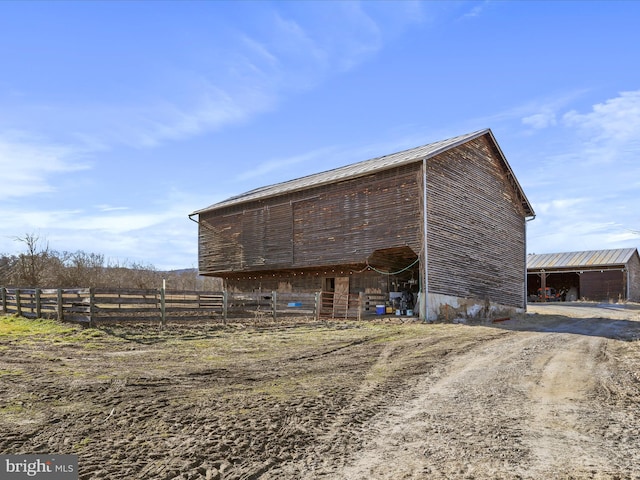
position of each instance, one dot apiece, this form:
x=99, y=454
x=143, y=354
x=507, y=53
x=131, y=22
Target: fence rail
x=101, y=305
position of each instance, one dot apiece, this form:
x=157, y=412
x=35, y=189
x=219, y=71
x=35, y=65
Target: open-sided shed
x=601, y=275
x=444, y=222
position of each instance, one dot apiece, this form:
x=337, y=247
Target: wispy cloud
x=256, y=70
x=559, y=205
x=562, y=235
x=27, y=164
x=541, y=120
x=616, y=119
x=541, y=113
x=110, y=208
x=211, y=109
x=313, y=157
x=477, y=9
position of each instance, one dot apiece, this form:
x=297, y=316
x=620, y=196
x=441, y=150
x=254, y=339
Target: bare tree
x=39, y=266
x=31, y=264
x=80, y=269
x=7, y=269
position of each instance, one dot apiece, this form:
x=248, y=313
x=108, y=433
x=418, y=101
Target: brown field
x=555, y=394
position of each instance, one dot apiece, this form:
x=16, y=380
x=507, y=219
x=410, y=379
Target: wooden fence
x=92, y=306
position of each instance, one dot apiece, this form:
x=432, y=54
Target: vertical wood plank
x=59, y=306
x=92, y=304
x=18, y=303
x=163, y=308
x=225, y=306
x=274, y=304
x=38, y=303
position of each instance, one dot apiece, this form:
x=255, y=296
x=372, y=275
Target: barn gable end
x=476, y=226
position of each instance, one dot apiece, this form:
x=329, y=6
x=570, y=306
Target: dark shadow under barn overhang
x=396, y=259
x=604, y=283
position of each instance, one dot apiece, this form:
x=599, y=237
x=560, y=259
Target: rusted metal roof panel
x=365, y=168
x=590, y=258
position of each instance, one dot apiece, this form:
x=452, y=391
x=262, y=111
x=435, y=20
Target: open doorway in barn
x=335, y=297
x=564, y=286
x=401, y=270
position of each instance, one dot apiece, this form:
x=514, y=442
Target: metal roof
x=367, y=167
x=586, y=259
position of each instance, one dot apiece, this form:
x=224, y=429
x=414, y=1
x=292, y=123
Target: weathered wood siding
x=603, y=286
x=305, y=281
x=476, y=232
x=335, y=224
x=634, y=278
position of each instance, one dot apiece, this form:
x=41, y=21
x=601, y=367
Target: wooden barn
x=600, y=275
x=438, y=230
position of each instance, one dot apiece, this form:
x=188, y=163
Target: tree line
x=38, y=266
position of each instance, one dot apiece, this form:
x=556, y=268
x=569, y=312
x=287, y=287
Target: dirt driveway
x=553, y=395
x=558, y=397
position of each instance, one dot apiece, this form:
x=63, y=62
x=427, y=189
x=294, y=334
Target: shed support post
x=543, y=285
x=225, y=300
x=274, y=303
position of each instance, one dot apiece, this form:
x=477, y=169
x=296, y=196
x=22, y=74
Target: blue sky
x=118, y=119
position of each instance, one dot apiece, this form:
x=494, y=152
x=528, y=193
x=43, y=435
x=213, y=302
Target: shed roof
x=587, y=259
x=367, y=167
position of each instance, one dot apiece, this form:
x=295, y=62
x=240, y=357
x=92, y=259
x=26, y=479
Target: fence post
x=274, y=303
x=92, y=301
x=38, y=304
x=360, y=304
x=163, y=309
x=4, y=299
x=18, y=303
x=317, y=306
x=59, y=306
x=225, y=304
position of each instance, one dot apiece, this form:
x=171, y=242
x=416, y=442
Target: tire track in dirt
x=568, y=376
x=526, y=405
